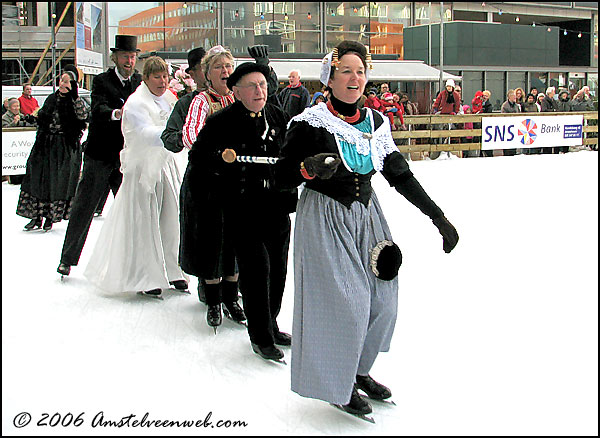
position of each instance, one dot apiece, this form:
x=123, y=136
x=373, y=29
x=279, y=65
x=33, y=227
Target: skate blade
x=156, y=297
x=183, y=291
x=228, y=316
x=360, y=416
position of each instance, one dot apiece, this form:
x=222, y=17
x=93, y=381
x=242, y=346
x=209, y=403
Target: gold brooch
x=258, y=114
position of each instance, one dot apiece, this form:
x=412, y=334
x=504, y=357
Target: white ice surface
x=500, y=337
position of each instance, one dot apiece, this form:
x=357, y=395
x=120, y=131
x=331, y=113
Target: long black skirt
x=51, y=178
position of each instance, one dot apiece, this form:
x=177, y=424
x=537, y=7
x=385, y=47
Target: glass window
x=517, y=79
x=539, y=80
x=494, y=82
x=426, y=14
x=387, y=23
x=472, y=81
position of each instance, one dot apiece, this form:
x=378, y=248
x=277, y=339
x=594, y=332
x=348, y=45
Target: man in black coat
x=295, y=97
x=101, y=165
x=254, y=214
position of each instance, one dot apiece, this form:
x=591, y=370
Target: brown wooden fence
x=420, y=131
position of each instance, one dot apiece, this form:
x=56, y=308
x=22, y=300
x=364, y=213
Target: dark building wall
x=485, y=44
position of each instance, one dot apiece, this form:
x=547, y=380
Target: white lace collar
x=379, y=146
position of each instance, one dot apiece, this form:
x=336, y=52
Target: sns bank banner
x=531, y=131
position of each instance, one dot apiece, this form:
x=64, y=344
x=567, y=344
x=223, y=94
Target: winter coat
x=105, y=139
x=487, y=107
x=210, y=185
x=294, y=100
x=508, y=107
x=477, y=103
x=549, y=105
x=373, y=102
x=582, y=104
x=443, y=106
x=564, y=106
x=530, y=108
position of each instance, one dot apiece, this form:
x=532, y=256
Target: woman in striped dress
x=206, y=252
x=345, y=300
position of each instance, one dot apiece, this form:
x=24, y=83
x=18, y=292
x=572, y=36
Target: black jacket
x=294, y=100
x=172, y=135
x=105, y=139
x=210, y=184
x=344, y=186
x=549, y=104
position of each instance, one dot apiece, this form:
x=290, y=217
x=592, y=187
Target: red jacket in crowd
x=441, y=103
x=477, y=102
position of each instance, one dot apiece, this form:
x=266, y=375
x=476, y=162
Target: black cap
x=126, y=43
x=244, y=69
x=194, y=58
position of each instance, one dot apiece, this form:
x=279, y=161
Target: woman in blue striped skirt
x=345, y=263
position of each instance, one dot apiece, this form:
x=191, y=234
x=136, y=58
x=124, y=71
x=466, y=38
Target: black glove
x=260, y=53
x=447, y=231
x=73, y=91
x=316, y=166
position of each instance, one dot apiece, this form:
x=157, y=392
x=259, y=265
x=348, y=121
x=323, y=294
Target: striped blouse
x=200, y=109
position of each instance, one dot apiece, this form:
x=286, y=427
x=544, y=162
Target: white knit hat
x=450, y=82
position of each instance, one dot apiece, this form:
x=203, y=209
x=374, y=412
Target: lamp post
x=441, y=45
x=52, y=20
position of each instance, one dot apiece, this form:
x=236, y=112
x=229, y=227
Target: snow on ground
x=500, y=337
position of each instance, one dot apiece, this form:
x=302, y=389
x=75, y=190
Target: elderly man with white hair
x=294, y=98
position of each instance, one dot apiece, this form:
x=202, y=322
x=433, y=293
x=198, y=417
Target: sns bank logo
x=527, y=132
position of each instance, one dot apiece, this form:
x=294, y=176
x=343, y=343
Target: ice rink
x=500, y=337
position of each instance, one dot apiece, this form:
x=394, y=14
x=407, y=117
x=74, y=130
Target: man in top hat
x=101, y=165
x=255, y=214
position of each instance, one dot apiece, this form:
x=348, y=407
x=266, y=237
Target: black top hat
x=194, y=58
x=245, y=68
x=126, y=43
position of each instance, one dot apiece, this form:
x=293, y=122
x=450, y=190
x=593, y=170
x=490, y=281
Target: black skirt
x=51, y=177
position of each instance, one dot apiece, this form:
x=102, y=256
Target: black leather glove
x=260, y=53
x=316, y=166
x=73, y=91
x=448, y=232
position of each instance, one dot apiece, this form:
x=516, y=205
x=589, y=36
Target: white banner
x=16, y=146
x=530, y=130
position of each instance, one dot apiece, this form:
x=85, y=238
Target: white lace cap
x=326, y=68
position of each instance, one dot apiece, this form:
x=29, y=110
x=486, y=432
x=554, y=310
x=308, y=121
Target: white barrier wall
x=530, y=130
x=16, y=146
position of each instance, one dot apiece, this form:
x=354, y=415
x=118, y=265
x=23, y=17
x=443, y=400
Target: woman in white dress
x=138, y=246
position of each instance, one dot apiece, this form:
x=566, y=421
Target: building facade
x=407, y=30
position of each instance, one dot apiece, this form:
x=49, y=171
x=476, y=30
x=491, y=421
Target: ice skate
x=47, y=225
x=374, y=390
x=282, y=339
x=357, y=407
x=64, y=270
x=214, y=317
x=153, y=293
x=33, y=225
x=234, y=312
x=180, y=286
x=270, y=352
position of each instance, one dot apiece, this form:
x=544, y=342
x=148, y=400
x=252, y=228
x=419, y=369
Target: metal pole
x=429, y=53
x=441, y=45
x=53, y=17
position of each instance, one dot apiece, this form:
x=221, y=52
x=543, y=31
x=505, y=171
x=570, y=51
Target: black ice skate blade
x=378, y=400
x=156, y=297
x=360, y=416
